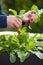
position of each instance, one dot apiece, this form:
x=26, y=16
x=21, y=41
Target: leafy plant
x=21, y=45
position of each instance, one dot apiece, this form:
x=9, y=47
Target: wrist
x=7, y=21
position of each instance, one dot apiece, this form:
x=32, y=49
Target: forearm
x=3, y=21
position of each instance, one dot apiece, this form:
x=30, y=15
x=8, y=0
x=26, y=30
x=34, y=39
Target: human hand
x=30, y=16
x=14, y=22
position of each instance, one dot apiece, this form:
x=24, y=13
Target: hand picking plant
x=22, y=45
x=34, y=17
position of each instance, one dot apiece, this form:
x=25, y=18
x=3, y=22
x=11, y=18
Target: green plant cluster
x=21, y=45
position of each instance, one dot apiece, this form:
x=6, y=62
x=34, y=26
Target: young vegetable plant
x=21, y=45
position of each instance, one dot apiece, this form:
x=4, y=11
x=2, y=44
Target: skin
x=14, y=22
x=30, y=14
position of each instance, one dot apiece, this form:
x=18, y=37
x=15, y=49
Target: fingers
x=27, y=14
x=17, y=23
x=14, y=22
x=12, y=26
x=34, y=16
x=30, y=14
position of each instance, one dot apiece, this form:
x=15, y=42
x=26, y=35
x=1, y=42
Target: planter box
x=32, y=60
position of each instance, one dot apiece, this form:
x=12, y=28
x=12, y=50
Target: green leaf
x=23, y=37
x=23, y=30
x=23, y=56
x=41, y=44
x=1, y=48
x=12, y=58
x=34, y=7
x=40, y=36
x=39, y=54
x=13, y=11
x=40, y=11
x=20, y=16
x=31, y=45
x=22, y=12
x=39, y=48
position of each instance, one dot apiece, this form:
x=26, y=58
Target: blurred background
x=24, y=4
